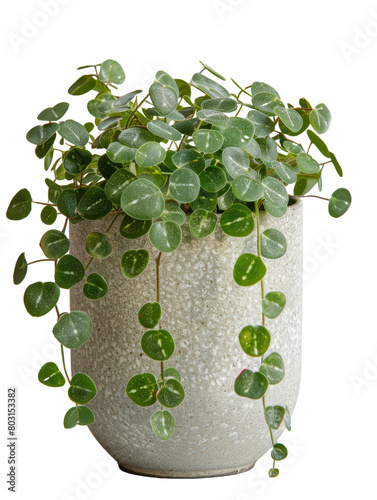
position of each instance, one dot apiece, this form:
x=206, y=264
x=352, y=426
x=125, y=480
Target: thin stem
x=309, y=196
x=310, y=145
x=41, y=203
x=162, y=373
x=88, y=264
x=158, y=259
x=239, y=111
x=64, y=367
x=137, y=107
x=287, y=138
x=40, y=260
x=65, y=225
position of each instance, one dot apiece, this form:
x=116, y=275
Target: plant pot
x=217, y=432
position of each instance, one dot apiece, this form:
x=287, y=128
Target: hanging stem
x=64, y=367
x=158, y=259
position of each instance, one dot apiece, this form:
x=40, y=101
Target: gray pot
x=217, y=432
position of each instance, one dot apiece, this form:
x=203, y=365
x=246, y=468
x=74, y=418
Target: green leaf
x=54, y=190
x=254, y=340
x=20, y=270
x=252, y=148
x=41, y=133
x=275, y=211
x=205, y=200
x=82, y=389
x=135, y=137
x=248, y=270
x=292, y=148
x=247, y=189
x=212, y=116
x=55, y=113
x=95, y=287
x=274, y=416
x=158, y=344
x=164, y=130
x=74, y=132
x=149, y=154
x=134, y=262
x=76, y=161
x=44, y=151
x=54, y=244
x=48, y=215
x=208, y=68
x=98, y=245
x=152, y=174
x=266, y=102
x=290, y=118
x=50, y=375
x=111, y=71
x=209, y=87
x=173, y=213
x=120, y=153
x=262, y=124
x=340, y=202
x=132, y=229
x=275, y=192
x=96, y=106
x=164, y=93
x=143, y=200
x=78, y=415
x=320, y=118
x=40, y=298
x=67, y=203
x=170, y=373
x=279, y=452
x=268, y=149
x=125, y=99
x=142, y=389
x=83, y=85
x=237, y=221
x=189, y=158
x=183, y=87
x=117, y=184
x=287, y=418
x=150, y=314
x=237, y=132
x=165, y=236
x=208, y=141
x=212, y=179
x=162, y=422
x=273, y=304
x=184, y=185
x=94, y=204
x=20, y=205
x=236, y=161
x=273, y=244
x=284, y=171
x=223, y=104
x=259, y=87
x=73, y=329
x=273, y=368
x=202, y=223
x=307, y=164
x=250, y=384
x=171, y=394
x=273, y=472
x=69, y=271
x=187, y=127
x=322, y=148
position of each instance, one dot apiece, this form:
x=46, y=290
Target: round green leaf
x=254, y=340
x=250, y=384
x=134, y=262
x=111, y=71
x=307, y=164
x=184, y=185
x=273, y=368
x=20, y=205
x=117, y=184
x=76, y=161
x=189, y=158
x=258, y=87
x=158, y=344
x=120, y=153
x=212, y=116
x=143, y=200
x=69, y=271
x=223, y=104
x=94, y=204
x=227, y=199
x=187, y=127
x=237, y=220
x=73, y=329
x=263, y=126
x=266, y=102
x=274, y=416
x=247, y=189
x=275, y=211
x=248, y=270
x=212, y=179
x=96, y=106
x=98, y=245
x=275, y=192
x=162, y=422
x=236, y=161
x=50, y=375
x=74, y=133
x=209, y=87
x=152, y=174
x=173, y=213
x=164, y=97
x=273, y=472
x=95, y=287
x=135, y=137
x=82, y=389
x=55, y=113
x=125, y=99
x=320, y=118
x=171, y=394
x=284, y=171
x=40, y=298
x=205, y=200
x=273, y=244
x=20, y=270
x=340, y=202
x=48, y=215
x=149, y=154
x=150, y=314
x=287, y=418
x=202, y=223
x=165, y=236
x=41, y=133
x=290, y=118
x=83, y=85
x=268, y=149
x=237, y=132
x=208, y=68
x=78, y=415
x=292, y=148
x=54, y=244
x=273, y=304
x=170, y=373
x=208, y=141
x=132, y=229
x=279, y=452
x=164, y=130
x=142, y=389
x=67, y=203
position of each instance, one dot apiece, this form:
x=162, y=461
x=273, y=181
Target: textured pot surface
x=217, y=432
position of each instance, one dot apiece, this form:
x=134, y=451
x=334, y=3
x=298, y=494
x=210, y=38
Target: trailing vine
x=180, y=153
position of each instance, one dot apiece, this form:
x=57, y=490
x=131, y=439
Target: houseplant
x=167, y=173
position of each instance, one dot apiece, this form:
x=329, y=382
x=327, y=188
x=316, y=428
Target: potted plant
x=183, y=263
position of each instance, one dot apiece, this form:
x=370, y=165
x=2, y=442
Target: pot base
x=184, y=475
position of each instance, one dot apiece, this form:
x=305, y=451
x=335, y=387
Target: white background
x=318, y=50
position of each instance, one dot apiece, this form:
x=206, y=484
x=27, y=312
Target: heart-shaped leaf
x=171, y=394
x=134, y=262
x=68, y=271
x=320, y=118
x=54, y=244
x=55, y=113
x=162, y=422
x=263, y=126
x=142, y=389
x=158, y=344
x=202, y=223
x=95, y=287
x=20, y=205
x=290, y=118
x=40, y=298
x=273, y=304
x=273, y=244
x=74, y=133
x=82, y=389
x=94, y=204
x=98, y=245
x=73, y=329
x=41, y=133
x=250, y=384
x=273, y=368
x=117, y=183
x=150, y=314
x=237, y=220
x=78, y=415
x=274, y=416
x=254, y=340
x=50, y=375
x=248, y=270
x=165, y=236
